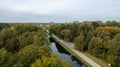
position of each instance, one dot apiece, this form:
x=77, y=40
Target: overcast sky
x=58, y=10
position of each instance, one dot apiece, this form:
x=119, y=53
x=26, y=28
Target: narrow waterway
x=63, y=54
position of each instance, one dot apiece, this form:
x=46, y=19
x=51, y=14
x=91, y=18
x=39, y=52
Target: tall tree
x=80, y=43
x=66, y=33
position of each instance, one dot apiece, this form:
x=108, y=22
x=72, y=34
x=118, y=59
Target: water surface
x=63, y=54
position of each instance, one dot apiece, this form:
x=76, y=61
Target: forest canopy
x=101, y=40
x=26, y=45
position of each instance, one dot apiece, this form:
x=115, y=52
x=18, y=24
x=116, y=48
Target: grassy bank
x=97, y=60
x=71, y=52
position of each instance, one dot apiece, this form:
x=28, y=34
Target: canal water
x=63, y=54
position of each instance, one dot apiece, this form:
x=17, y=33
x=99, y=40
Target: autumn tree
x=80, y=43
x=66, y=34
x=22, y=44
x=51, y=61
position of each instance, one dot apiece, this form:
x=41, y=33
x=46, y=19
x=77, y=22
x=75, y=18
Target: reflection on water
x=63, y=54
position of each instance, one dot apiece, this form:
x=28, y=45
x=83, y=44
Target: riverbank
x=69, y=47
x=63, y=54
x=97, y=60
x=72, y=53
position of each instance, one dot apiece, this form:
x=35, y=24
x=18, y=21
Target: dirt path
x=80, y=54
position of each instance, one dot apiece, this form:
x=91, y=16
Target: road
x=80, y=54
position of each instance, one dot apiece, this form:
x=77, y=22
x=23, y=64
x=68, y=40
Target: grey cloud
x=70, y=10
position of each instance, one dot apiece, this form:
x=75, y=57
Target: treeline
x=99, y=39
x=26, y=45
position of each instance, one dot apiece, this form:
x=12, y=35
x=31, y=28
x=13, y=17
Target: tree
x=113, y=23
x=80, y=43
x=111, y=31
x=111, y=59
x=66, y=33
x=4, y=35
x=52, y=27
x=95, y=46
x=12, y=44
x=51, y=61
x=4, y=55
x=100, y=39
x=22, y=44
x=115, y=45
x=29, y=54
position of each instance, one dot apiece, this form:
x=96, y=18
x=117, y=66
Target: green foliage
x=100, y=39
x=96, y=47
x=4, y=35
x=66, y=33
x=51, y=61
x=4, y=55
x=17, y=65
x=113, y=23
x=4, y=25
x=111, y=60
x=52, y=27
x=111, y=31
x=21, y=28
x=80, y=43
x=22, y=44
x=115, y=45
x=29, y=53
x=12, y=44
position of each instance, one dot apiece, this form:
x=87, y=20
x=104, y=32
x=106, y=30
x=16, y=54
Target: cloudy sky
x=58, y=10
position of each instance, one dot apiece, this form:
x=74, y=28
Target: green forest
x=26, y=45
x=100, y=39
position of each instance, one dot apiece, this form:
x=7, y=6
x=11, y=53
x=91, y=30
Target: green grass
x=72, y=53
x=97, y=60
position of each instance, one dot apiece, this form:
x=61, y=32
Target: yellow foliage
x=109, y=29
x=12, y=28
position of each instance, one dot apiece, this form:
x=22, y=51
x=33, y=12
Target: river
x=65, y=55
